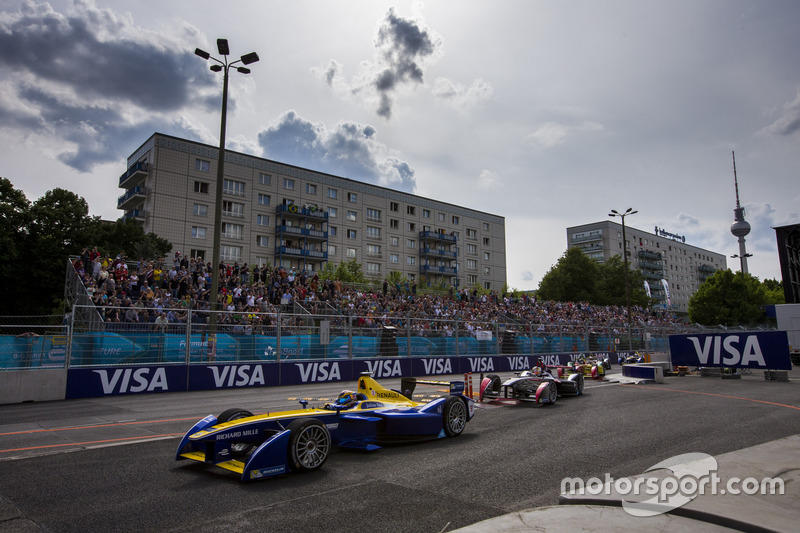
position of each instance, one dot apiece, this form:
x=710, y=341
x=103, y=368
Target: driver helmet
x=537, y=370
x=347, y=397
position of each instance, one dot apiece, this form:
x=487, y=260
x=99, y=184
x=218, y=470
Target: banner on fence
x=755, y=349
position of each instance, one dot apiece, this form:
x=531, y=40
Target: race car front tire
x=454, y=416
x=552, y=393
x=309, y=444
x=238, y=449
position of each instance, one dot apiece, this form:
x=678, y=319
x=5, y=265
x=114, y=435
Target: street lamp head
x=613, y=213
x=252, y=57
x=202, y=53
x=243, y=70
x=222, y=46
x=215, y=68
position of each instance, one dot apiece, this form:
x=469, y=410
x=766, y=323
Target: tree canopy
x=37, y=238
x=578, y=278
x=733, y=299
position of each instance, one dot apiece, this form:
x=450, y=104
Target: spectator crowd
x=159, y=293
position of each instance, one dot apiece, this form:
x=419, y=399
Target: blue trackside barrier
x=646, y=371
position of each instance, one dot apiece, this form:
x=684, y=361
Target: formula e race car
x=271, y=444
x=534, y=385
x=595, y=369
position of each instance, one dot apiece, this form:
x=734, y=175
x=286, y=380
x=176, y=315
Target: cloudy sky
x=549, y=113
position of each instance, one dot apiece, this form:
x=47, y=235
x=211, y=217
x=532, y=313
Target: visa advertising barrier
x=113, y=381
x=767, y=350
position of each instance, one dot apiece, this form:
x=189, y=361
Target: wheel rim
x=553, y=393
x=312, y=447
x=457, y=419
x=580, y=385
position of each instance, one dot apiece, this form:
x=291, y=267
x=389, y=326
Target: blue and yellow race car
x=300, y=440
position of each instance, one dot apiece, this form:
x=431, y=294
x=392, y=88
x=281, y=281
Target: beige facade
x=660, y=255
x=289, y=216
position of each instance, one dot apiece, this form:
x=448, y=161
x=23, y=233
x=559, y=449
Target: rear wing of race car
x=407, y=386
x=372, y=389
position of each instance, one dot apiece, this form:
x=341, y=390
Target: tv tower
x=740, y=227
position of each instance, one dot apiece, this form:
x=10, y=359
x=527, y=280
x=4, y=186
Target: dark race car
x=535, y=385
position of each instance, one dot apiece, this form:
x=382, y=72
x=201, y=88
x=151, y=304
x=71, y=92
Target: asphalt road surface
x=108, y=464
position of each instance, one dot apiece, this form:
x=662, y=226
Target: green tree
x=127, y=236
x=774, y=289
x=572, y=279
x=350, y=271
x=13, y=227
x=611, y=284
x=730, y=300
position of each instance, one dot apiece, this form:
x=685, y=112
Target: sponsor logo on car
x=262, y=472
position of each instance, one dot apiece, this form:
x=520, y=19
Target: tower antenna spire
x=740, y=228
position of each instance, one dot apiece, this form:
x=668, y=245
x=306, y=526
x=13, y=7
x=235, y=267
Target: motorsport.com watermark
x=692, y=475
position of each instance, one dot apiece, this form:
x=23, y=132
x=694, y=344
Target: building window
x=426, y=213
x=232, y=209
x=331, y=250
x=351, y=216
x=352, y=234
x=394, y=241
x=262, y=220
x=262, y=241
x=485, y=226
x=332, y=231
x=202, y=165
x=333, y=193
x=288, y=184
x=352, y=197
x=332, y=212
x=487, y=271
x=264, y=179
x=441, y=217
x=394, y=258
x=472, y=249
x=472, y=234
x=311, y=188
x=373, y=214
x=351, y=253
x=455, y=220
x=373, y=268
x=232, y=231
x=200, y=210
x=264, y=199
x=373, y=232
x=487, y=286
x=412, y=226
x=233, y=187
x=198, y=232
x=394, y=224
x=374, y=250
x=199, y=254
x=486, y=256
x=411, y=260
x=486, y=241
x=201, y=187
x=472, y=264
x=472, y=279
x=411, y=243
x=230, y=253
x=394, y=206
x=411, y=210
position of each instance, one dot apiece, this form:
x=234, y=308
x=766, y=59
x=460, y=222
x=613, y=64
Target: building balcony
x=136, y=214
x=132, y=197
x=651, y=265
x=301, y=252
x=294, y=210
x=586, y=238
x=137, y=172
x=652, y=275
x=433, y=269
x=297, y=231
x=437, y=236
x=647, y=254
x=438, y=252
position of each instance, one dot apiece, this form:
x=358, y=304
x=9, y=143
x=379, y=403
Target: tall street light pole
x=615, y=213
x=224, y=66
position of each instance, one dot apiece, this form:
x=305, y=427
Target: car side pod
x=207, y=422
x=542, y=392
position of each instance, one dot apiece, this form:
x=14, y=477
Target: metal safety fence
x=113, y=336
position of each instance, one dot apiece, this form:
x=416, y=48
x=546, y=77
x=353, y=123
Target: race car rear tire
x=454, y=416
x=309, y=444
x=580, y=382
x=238, y=449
